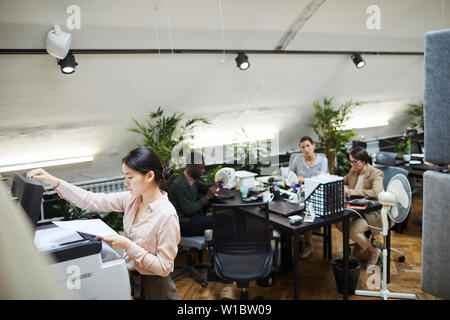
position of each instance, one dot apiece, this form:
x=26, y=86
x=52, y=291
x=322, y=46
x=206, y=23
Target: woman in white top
x=306, y=165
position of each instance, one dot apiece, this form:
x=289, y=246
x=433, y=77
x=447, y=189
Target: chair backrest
x=241, y=243
x=235, y=230
x=385, y=158
x=389, y=172
x=357, y=143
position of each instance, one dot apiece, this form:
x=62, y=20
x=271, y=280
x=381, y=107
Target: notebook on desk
x=285, y=208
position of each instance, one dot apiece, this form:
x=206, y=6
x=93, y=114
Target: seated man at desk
x=365, y=181
x=191, y=197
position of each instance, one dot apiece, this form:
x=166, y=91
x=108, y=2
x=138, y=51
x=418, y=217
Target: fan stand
x=384, y=292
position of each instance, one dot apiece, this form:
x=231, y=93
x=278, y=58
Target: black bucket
x=354, y=268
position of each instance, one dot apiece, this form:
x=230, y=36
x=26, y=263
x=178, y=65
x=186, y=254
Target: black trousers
x=195, y=225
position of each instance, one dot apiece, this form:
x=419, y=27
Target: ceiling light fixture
x=58, y=42
x=242, y=61
x=358, y=60
x=68, y=64
x=48, y=163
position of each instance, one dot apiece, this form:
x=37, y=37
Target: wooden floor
x=316, y=275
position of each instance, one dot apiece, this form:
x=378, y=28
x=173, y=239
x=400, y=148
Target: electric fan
x=396, y=201
x=228, y=176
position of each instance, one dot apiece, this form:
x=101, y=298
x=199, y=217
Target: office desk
x=418, y=170
x=283, y=224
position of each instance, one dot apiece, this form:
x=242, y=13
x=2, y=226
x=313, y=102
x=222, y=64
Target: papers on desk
x=95, y=227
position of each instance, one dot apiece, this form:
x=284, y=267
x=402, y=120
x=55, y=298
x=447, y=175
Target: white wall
x=45, y=114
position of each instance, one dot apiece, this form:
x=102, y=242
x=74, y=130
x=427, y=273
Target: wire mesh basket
x=325, y=195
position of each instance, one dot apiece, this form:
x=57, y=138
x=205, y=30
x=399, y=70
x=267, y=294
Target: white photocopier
x=85, y=267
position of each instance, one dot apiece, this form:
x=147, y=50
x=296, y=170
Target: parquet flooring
x=316, y=274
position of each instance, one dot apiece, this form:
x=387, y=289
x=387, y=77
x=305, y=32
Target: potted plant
x=415, y=111
x=329, y=126
x=166, y=134
x=163, y=133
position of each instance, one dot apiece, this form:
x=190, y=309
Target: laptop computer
x=285, y=208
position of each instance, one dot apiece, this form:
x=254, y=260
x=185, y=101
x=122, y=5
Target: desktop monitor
x=29, y=195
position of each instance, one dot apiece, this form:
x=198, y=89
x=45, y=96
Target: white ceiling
x=45, y=114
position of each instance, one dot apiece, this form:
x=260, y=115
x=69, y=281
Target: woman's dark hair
x=359, y=153
x=144, y=160
x=306, y=138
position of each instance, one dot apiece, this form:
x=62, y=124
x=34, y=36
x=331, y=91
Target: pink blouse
x=155, y=234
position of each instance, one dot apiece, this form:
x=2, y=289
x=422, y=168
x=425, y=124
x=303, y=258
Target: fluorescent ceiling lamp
x=47, y=163
x=365, y=123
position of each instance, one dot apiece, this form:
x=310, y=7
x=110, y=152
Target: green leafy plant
x=342, y=164
x=165, y=133
x=329, y=126
x=70, y=212
x=416, y=112
x=210, y=178
x=114, y=220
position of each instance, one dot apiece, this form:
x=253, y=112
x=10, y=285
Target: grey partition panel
x=436, y=234
x=437, y=96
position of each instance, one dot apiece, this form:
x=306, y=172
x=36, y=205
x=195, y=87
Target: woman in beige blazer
x=367, y=181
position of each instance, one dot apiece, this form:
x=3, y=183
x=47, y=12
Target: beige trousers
x=356, y=233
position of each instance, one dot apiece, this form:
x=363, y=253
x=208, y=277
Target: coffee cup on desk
x=268, y=197
x=244, y=192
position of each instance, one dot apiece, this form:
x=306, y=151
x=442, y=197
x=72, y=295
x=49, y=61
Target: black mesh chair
x=241, y=243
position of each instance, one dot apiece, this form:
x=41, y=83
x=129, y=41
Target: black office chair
x=189, y=245
x=241, y=244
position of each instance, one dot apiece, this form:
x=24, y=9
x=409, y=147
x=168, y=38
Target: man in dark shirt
x=191, y=197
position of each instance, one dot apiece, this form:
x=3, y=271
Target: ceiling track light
x=358, y=60
x=242, y=61
x=68, y=64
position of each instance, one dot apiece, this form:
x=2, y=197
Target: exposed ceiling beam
x=298, y=23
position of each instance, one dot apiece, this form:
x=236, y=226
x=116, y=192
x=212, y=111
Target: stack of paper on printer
x=95, y=227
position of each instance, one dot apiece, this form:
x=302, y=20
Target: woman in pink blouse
x=150, y=221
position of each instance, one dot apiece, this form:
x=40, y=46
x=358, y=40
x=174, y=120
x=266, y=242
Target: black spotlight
x=68, y=64
x=242, y=61
x=358, y=61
